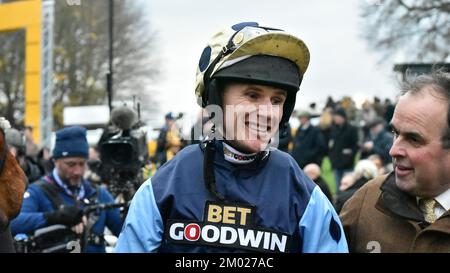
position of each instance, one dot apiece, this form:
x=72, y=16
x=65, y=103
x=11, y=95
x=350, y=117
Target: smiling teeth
x=256, y=128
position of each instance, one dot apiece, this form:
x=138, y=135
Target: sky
x=341, y=63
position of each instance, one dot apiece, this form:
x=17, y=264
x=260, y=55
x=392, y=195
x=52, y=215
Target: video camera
x=60, y=238
x=51, y=239
x=123, y=153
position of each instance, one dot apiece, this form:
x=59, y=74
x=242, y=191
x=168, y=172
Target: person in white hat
x=235, y=192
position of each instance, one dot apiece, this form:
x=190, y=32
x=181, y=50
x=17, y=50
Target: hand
x=79, y=228
x=65, y=215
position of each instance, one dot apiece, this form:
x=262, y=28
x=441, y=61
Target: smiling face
x=421, y=164
x=252, y=115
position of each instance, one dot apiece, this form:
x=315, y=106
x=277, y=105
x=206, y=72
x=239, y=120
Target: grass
x=327, y=175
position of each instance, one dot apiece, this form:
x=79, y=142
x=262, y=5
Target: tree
x=12, y=70
x=81, y=53
x=81, y=58
x=420, y=29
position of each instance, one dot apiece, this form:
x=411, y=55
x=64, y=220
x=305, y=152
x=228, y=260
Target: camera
x=123, y=154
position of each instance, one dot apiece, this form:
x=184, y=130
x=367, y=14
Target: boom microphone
x=123, y=117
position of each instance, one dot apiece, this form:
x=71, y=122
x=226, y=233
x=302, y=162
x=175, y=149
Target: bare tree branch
x=81, y=58
x=81, y=61
x=420, y=31
x=429, y=5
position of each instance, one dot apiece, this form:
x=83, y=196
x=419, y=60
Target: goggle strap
x=228, y=49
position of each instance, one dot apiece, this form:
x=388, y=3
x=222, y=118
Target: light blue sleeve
x=143, y=227
x=320, y=226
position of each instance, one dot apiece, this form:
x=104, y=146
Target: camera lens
x=122, y=154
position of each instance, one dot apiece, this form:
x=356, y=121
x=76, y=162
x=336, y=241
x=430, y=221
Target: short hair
x=439, y=80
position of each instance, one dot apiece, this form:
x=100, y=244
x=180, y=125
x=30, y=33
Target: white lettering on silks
x=228, y=236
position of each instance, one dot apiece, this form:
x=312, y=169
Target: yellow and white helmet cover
x=241, y=41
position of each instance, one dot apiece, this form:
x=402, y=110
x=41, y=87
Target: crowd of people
x=354, y=141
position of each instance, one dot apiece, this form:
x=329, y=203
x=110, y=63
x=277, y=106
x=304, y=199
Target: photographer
x=59, y=197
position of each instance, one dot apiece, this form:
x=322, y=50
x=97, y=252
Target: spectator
x=325, y=124
x=44, y=159
x=285, y=138
x=365, y=170
x=313, y=171
x=309, y=145
x=389, y=108
x=343, y=145
x=368, y=117
x=376, y=159
x=330, y=103
x=379, y=141
x=379, y=109
x=32, y=148
x=17, y=146
x=169, y=140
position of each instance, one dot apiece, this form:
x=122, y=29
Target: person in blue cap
x=234, y=192
x=60, y=196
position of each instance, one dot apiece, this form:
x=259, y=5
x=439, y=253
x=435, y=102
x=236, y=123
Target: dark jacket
x=6, y=242
x=389, y=113
x=324, y=187
x=36, y=203
x=326, y=133
x=343, y=146
x=32, y=169
x=382, y=218
x=309, y=146
x=343, y=196
x=161, y=144
x=285, y=139
x=382, y=143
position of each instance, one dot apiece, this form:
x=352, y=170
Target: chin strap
x=208, y=163
x=208, y=169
